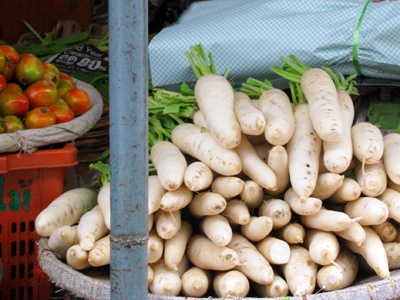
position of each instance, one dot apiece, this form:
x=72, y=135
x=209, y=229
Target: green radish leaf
x=172, y=108
x=186, y=90
x=386, y=115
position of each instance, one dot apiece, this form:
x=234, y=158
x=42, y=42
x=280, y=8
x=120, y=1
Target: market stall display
x=205, y=232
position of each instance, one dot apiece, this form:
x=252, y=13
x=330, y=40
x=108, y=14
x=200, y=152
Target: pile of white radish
x=77, y=225
x=255, y=198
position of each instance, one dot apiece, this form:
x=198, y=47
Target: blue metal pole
x=128, y=30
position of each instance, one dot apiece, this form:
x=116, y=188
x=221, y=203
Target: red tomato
x=12, y=124
x=2, y=125
x=78, y=100
x=40, y=117
x=11, y=59
x=14, y=86
x=13, y=102
x=41, y=93
x=3, y=83
x=63, y=112
x=2, y=60
x=51, y=73
x=65, y=76
x=21, y=56
x=61, y=101
x=29, y=70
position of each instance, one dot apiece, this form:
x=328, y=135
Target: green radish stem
x=254, y=88
x=204, y=66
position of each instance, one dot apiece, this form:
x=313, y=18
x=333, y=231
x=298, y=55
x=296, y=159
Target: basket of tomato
x=39, y=105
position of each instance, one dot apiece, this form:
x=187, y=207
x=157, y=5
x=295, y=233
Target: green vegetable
x=49, y=47
x=104, y=169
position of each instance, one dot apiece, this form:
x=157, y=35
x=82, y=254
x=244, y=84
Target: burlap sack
x=29, y=140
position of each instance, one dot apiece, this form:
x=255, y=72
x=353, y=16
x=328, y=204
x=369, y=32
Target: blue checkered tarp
x=249, y=36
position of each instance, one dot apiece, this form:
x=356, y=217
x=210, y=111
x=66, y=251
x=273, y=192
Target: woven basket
x=94, y=283
x=93, y=143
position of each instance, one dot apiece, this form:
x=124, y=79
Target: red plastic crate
x=28, y=184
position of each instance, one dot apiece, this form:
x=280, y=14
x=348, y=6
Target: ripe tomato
x=51, y=73
x=40, y=117
x=41, y=93
x=66, y=76
x=11, y=59
x=21, y=56
x=13, y=102
x=29, y=70
x=2, y=125
x=3, y=83
x=2, y=60
x=63, y=112
x=14, y=86
x=13, y=124
x=61, y=101
x=78, y=100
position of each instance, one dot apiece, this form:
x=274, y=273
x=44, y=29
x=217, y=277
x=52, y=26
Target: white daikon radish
x=276, y=289
x=339, y=275
x=354, y=233
x=237, y=212
x=338, y=155
x=155, y=247
x=170, y=164
x=254, y=167
x=198, y=119
x=217, y=229
x=155, y=193
x=227, y=186
x=278, y=210
x=386, y=231
x=257, y=228
x=372, y=178
x=231, y=284
x=91, y=228
x=300, y=272
x=100, y=255
x=328, y=220
x=327, y=184
x=372, y=210
x=367, y=142
x=177, y=199
x=150, y=221
x=262, y=150
x=308, y=207
x=278, y=161
x=166, y=282
x=150, y=274
x=61, y=239
x=203, y=253
x=350, y=190
x=167, y=223
x=277, y=110
x=254, y=265
x=391, y=156
x=104, y=201
x=325, y=113
x=292, y=233
x=215, y=97
x=198, y=176
x=196, y=282
x=323, y=246
x=276, y=251
x=66, y=209
x=252, y=194
x=174, y=248
x=207, y=204
x=393, y=254
x=77, y=257
x=200, y=144
x=304, y=150
x=250, y=119
x=392, y=200
x=373, y=251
